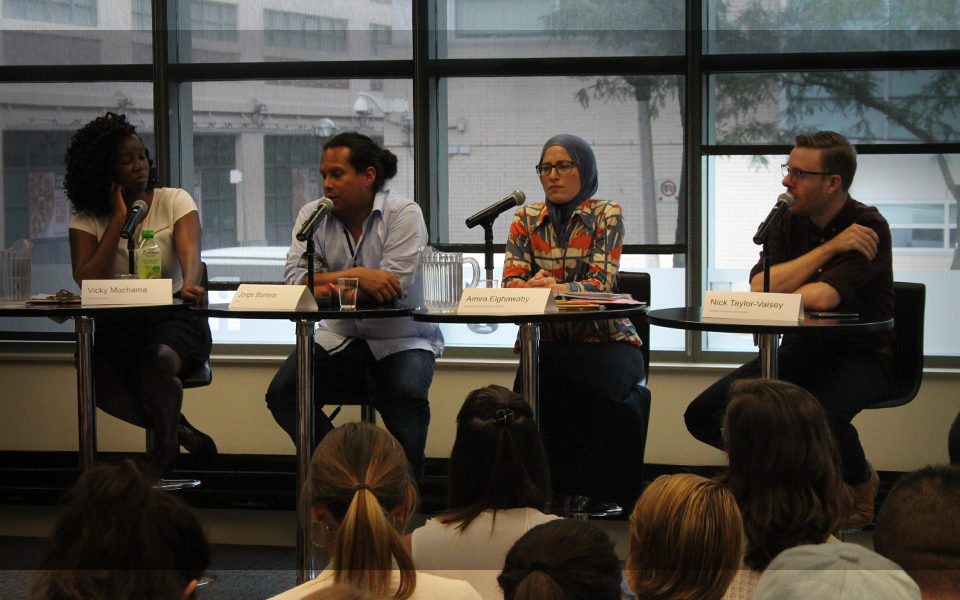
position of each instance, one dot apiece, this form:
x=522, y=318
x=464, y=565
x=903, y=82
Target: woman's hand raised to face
x=118, y=207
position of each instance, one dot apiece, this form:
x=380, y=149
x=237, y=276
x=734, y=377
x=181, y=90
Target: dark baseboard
x=244, y=481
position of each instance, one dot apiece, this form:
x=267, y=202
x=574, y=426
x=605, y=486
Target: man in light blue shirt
x=375, y=236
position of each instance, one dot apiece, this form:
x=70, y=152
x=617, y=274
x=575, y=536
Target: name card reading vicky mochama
x=753, y=306
x=506, y=301
x=119, y=292
x=272, y=297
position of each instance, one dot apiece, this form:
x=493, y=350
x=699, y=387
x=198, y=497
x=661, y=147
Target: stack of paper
x=607, y=297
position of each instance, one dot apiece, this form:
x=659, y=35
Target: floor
x=252, y=548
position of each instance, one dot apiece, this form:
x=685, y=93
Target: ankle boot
x=863, y=498
x=195, y=441
x=166, y=447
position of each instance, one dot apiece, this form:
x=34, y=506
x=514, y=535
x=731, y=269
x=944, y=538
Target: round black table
x=84, y=318
x=304, y=320
x=530, y=335
x=690, y=317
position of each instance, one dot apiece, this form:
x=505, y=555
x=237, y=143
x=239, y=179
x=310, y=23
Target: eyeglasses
x=564, y=167
x=799, y=173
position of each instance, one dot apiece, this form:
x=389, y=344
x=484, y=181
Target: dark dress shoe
x=195, y=441
x=863, y=499
x=589, y=507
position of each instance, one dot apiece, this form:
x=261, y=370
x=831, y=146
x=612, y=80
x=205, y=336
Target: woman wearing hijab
x=593, y=409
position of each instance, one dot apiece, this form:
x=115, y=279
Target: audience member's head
x=953, y=441
x=498, y=460
x=561, y=560
x=918, y=527
x=362, y=495
x=685, y=540
x=117, y=537
x=834, y=572
x=784, y=467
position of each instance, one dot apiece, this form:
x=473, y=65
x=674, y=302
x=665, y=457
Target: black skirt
x=117, y=339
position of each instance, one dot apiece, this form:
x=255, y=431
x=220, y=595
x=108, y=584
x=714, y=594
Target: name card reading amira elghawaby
x=506, y=301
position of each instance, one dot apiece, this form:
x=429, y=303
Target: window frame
x=172, y=80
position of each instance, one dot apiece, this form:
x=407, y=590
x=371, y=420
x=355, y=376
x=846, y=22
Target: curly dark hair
x=90, y=162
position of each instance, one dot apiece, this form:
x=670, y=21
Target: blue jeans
x=843, y=378
x=399, y=385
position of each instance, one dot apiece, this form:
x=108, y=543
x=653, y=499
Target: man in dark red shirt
x=836, y=253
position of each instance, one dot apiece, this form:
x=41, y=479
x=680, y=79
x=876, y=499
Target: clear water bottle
x=147, y=257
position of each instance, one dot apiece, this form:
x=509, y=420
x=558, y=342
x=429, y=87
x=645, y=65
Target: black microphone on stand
x=516, y=198
x=135, y=214
x=784, y=201
x=310, y=225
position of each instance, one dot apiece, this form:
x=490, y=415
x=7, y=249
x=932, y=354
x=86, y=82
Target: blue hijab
x=582, y=154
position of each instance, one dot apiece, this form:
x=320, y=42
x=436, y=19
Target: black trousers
x=844, y=378
x=593, y=418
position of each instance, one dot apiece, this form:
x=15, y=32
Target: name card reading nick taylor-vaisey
x=273, y=297
x=119, y=292
x=753, y=306
x=506, y=301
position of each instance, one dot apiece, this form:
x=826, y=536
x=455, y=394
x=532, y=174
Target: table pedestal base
x=530, y=366
x=768, y=355
x=305, y=570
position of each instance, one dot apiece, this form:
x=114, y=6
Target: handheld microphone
x=310, y=225
x=516, y=198
x=135, y=214
x=784, y=201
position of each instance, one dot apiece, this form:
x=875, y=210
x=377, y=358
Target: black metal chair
x=637, y=284
x=909, y=301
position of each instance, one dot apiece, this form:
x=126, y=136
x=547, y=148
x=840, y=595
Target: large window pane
x=533, y=28
x=38, y=120
x=72, y=32
x=866, y=106
x=496, y=128
x=905, y=188
x=793, y=26
x=256, y=155
x=296, y=30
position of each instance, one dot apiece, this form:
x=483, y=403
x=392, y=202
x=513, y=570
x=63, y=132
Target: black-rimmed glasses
x=564, y=167
x=799, y=173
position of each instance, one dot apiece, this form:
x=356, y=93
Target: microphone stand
x=488, y=247
x=767, y=341
x=488, y=267
x=766, y=268
x=309, y=254
x=131, y=246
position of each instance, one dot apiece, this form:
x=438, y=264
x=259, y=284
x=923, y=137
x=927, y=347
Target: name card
x=273, y=297
x=753, y=306
x=506, y=301
x=125, y=292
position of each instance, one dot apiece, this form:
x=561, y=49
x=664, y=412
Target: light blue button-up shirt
x=391, y=239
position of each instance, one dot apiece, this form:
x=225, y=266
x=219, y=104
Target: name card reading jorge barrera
x=273, y=297
x=506, y=301
x=125, y=292
x=752, y=306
